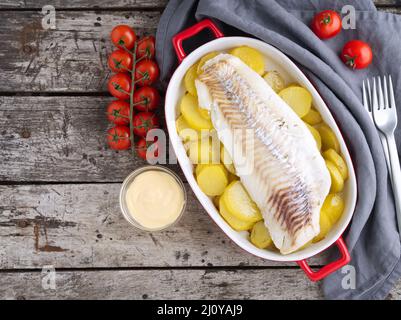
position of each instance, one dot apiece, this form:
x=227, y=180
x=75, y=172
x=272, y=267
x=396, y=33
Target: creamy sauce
x=154, y=199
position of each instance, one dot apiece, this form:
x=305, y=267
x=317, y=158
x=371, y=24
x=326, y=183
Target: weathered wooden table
x=59, y=182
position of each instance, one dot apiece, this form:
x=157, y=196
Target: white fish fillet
x=282, y=170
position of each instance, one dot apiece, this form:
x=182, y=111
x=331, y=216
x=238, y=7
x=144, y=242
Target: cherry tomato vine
x=135, y=71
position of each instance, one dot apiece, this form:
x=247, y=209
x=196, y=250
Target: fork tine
x=375, y=103
x=380, y=92
x=386, y=105
x=392, y=97
x=369, y=95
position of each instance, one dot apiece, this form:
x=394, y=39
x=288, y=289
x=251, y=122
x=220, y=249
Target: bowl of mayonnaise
x=153, y=198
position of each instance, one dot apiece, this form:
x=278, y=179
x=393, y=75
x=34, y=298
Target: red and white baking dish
x=275, y=60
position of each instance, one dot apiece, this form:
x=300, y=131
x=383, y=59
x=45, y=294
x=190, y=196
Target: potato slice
x=260, y=236
x=185, y=132
x=189, y=80
x=298, y=98
x=337, y=181
x=315, y=135
x=212, y=179
x=329, y=139
x=234, y=222
x=192, y=114
x=240, y=204
x=334, y=157
x=204, y=151
x=274, y=80
x=199, y=167
x=204, y=59
x=205, y=113
x=226, y=160
x=325, y=226
x=252, y=57
x=333, y=207
x=313, y=117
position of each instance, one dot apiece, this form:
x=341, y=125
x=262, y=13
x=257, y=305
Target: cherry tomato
x=123, y=36
x=146, y=48
x=118, y=112
x=118, y=138
x=357, y=54
x=120, y=61
x=143, y=122
x=142, y=146
x=146, y=99
x=326, y=24
x=120, y=85
x=147, y=72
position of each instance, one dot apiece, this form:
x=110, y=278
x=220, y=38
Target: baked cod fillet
x=274, y=153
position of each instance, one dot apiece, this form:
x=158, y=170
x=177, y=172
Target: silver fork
x=367, y=103
x=385, y=117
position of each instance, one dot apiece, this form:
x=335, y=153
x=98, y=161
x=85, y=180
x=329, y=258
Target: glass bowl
x=131, y=177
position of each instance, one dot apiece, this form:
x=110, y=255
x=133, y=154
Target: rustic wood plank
x=86, y=4
x=80, y=226
x=167, y=284
x=71, y=58
x=59, y=139
x=163, y=284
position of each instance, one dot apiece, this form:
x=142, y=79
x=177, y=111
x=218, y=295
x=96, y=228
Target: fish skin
x=282, y=170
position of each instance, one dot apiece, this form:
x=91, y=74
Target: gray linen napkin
x=372, y=236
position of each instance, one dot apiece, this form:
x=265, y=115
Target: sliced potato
x=212, y=179
x=329, y=139
x=325, y=226
x=192, y=114
x=252, y=57
x=199, y=167
x=337, y=181
x=333, y=207
x=204, y=59
x=226, y=160
x=240, y=204
x=204, y=151
x=316, y=136
x=234, y=222
x=313, y=117
x=260, y=236
x=274, y=80
x=185, y=132
x=298, y=98
x=334, y=157
x=189, y=79
x=205, y=113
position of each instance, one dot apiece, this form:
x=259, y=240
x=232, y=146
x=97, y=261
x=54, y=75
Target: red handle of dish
x=331, y=267
x=190, y=32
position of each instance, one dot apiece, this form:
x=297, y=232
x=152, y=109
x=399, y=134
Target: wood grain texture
x=269, y=284
x=162, y=284
x=60, y=139
x=72, y=58
x=86, y=4
x=83, y=4
x=81, y=226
